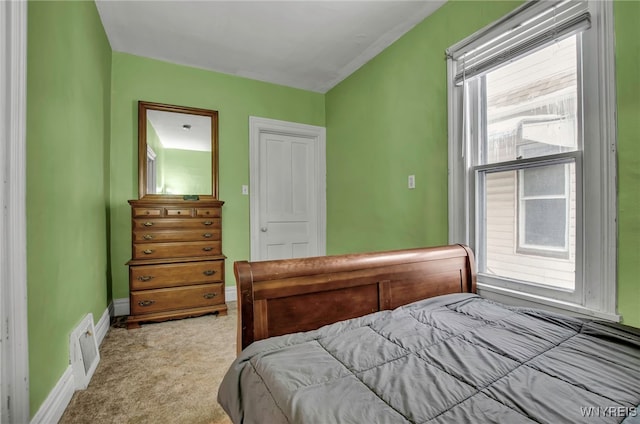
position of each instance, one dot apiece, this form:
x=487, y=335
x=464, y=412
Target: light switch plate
x=412, y=181
x=245, y=190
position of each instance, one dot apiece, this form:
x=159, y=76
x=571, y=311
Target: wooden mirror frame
x=142, y=149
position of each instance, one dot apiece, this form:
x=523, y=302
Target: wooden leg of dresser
x=132, y=325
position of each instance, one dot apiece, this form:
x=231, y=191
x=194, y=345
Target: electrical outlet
x=245, y=190
x=412, y=181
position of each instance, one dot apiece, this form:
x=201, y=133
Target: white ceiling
x=312, y=45
x=181, y=130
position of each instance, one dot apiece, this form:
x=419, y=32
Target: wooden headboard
x=286, y=296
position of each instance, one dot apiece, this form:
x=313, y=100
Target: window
x=531, y=155
x=151, y=171
x=544, y=210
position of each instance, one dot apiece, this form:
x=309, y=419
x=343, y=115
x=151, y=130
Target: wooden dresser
x=177, y=269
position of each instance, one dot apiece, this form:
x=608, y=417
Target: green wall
x=187, y=171
x=627, y=16
x=135, y=78
x=389, y=120
x=68, y=95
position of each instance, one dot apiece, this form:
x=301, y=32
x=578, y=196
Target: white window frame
x=541, y=250
x=151, y=171
x=596, y=205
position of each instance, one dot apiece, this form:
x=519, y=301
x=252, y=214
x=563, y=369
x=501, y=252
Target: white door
x=287, y=190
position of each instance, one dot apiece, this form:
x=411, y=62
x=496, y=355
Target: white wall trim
x=14, y=352
x=121, y=307
x=606, y=239
x=54, y=405
x=111, y=309
x=230, y=294
x=259, y=125
x=102, y=327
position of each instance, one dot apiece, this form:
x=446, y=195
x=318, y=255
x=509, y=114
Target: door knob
x=263, y=229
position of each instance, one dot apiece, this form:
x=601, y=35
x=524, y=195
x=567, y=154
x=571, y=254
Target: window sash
x=521, y=245
x=478, y=226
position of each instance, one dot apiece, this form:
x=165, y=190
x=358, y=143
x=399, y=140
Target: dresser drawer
x=208, y=212
x=168, y=223
x=176, y=250
x=172, y=275
x=151, y=212
x=177, y=235
x=159, y=300
x=178, y=212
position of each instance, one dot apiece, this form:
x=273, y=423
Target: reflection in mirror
x=178, y=151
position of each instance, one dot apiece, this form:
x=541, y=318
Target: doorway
x=287, y=177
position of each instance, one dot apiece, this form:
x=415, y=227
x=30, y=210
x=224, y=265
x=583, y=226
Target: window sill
x=516, y=298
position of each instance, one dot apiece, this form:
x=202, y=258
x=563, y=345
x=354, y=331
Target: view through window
x=531, y=111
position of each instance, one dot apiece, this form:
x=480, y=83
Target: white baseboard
x=121, y=307
x=102, y=327
x=230, y=294
x=59, y=397
x=54, y=405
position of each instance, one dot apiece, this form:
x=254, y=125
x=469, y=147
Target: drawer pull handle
x=146, y=302
x=207, y=249
x=209, y=272
x=148, y=251
x=207, y=235
x=207, y=223
x=148, y=224
x=209, y=295
x=145, y=278
x=178, y=212
x=148, y=237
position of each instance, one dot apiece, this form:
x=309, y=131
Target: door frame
x=258, y=126
x=14, y=359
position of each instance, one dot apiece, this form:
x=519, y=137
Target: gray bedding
x=450, y=359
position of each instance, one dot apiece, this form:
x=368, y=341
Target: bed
x=401, y=337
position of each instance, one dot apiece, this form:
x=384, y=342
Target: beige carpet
x=161, y=373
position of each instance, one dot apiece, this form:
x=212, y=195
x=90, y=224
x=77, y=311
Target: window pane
x=527, y=239
x=531, y=105
x=543, y=181
x=545, y=223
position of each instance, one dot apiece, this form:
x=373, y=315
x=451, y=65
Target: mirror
x=177, y=151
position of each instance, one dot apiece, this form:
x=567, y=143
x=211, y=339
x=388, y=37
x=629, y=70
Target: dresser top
x=176, y=202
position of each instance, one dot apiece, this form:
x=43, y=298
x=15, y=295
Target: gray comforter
x=450, y=359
